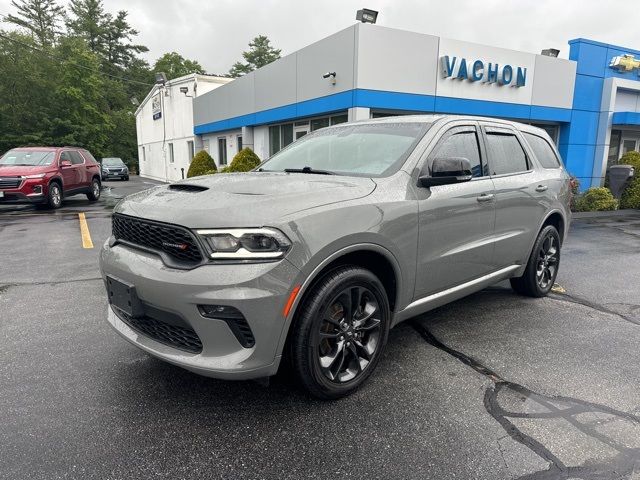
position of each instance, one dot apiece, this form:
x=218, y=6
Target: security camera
x=329, y=74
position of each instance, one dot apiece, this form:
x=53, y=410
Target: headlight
x=38, y=175
x=245, y=243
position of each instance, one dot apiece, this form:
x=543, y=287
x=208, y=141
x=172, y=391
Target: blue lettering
x=521, y=77
x=507, y=75
x=462, y=71
x=492, y=73
x=477, y=71
x=448, y=66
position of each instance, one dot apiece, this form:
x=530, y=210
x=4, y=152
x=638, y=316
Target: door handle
x=485, y=197
x=541, y=188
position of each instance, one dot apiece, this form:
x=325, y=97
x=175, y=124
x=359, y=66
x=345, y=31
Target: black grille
x=10, y=182
x=175, y=241
x=174, y=336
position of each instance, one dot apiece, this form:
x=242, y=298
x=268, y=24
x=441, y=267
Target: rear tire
x=340, y=332
x=94, y=191
x=542, y=267
x=54, y=196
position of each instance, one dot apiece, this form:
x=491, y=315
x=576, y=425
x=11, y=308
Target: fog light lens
x=37, y=189
x=222, y=312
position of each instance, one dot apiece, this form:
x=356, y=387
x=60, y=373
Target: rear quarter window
x=88, y=157
x=542, y=150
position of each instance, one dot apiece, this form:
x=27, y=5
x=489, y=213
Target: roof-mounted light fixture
x=550, y=52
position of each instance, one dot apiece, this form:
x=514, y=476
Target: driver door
x=456, y=221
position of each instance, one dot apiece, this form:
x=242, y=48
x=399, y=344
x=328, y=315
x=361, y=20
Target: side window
x=76, y=158
x=542, y=150
x=65, y=156
x=90, y=159
x=461, y=142
x=505, y=153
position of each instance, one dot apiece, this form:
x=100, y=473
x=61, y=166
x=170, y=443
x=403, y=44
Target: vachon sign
x=481, y=71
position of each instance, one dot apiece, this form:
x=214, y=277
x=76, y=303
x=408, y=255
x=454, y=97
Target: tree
x=118, y=51
x=40, y=17
x=89, y=21
x=175, y=65
x=260, y=53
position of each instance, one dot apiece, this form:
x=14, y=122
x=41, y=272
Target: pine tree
x=260, y=53
x=40, y=17
x=89, y=21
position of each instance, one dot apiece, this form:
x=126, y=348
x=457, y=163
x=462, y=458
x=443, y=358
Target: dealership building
x=589, y=104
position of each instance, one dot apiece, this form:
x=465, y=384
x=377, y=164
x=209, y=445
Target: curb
x=608, y=214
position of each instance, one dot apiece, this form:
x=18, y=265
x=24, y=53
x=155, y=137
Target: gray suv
x=331, y=242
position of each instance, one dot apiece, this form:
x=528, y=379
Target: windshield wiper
x=309, y=170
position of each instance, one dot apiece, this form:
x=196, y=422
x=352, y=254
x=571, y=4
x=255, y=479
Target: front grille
x=175, y=241
x=10, y=182
x=174, y=336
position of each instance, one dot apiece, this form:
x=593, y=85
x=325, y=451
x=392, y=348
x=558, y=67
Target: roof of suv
x=448, y=118
x=47, y=148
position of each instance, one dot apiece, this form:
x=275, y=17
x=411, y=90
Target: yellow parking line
x=84, y=232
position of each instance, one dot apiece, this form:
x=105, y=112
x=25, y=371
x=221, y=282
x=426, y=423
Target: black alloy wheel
x=542, y=268
x=339, y=332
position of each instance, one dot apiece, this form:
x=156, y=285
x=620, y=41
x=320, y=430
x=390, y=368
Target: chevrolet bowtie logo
x=625, y=63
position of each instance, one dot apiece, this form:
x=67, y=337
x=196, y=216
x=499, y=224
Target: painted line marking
x=84, y=232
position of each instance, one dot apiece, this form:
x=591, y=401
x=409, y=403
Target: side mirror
x=445, y=171
x=65, y=163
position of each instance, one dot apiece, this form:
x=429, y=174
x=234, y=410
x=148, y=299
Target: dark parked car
x=114, y=167
x=335, y=239
x=46, y=175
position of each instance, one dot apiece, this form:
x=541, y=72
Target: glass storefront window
x=335, y=120
x=287, y=134
x=274, y=139
x=319, y=123
x=614, y=147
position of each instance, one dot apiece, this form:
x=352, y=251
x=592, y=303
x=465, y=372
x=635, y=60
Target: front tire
x=94, y=191
x=54, y=196
x=340, y=332
x=542, y=267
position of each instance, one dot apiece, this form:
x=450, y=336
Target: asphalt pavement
x=495, y=386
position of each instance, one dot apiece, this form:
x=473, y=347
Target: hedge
x=202, y=164
x=595, y=200
x=631, y=195
x=244, y=161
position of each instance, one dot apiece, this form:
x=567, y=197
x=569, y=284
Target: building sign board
x=482, y=71
x=156, y=107
x=625, y=63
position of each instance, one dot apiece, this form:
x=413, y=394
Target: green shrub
x=596, y=200
x=202, y=164
x=244, y=161
x=631, y=194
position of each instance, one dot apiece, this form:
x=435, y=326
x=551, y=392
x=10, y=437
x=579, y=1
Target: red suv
x=45, y=175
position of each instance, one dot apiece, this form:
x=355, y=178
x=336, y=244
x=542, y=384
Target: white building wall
x=174, y=127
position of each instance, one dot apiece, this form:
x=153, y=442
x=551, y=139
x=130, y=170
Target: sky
x=215, y=32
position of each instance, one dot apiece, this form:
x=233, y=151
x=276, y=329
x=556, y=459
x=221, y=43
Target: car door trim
x=445, y=296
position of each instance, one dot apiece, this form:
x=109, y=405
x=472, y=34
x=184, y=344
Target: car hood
x=16, y=170
x=250, y=199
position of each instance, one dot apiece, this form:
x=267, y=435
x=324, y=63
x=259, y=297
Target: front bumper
x=29, y=191
x=258, y=291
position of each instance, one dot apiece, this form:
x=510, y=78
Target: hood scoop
x=187, y=187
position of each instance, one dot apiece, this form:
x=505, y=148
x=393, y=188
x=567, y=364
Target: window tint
x=65, y=156
x=542, y=150
x=87, y=155
x=505, y=154
x=76, y=158
x=462, y=144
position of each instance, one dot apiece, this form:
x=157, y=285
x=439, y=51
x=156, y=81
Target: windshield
x=371, y=150
x=28, y=157
x=112, y=161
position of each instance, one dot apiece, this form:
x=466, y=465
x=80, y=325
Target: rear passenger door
x=81, y=172
x=456, y=222
x=69, y=172
x=519, y=209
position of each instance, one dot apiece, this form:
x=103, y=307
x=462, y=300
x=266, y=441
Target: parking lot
x=494, y=386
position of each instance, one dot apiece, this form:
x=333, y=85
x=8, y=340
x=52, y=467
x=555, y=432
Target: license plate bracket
x=123, y=295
